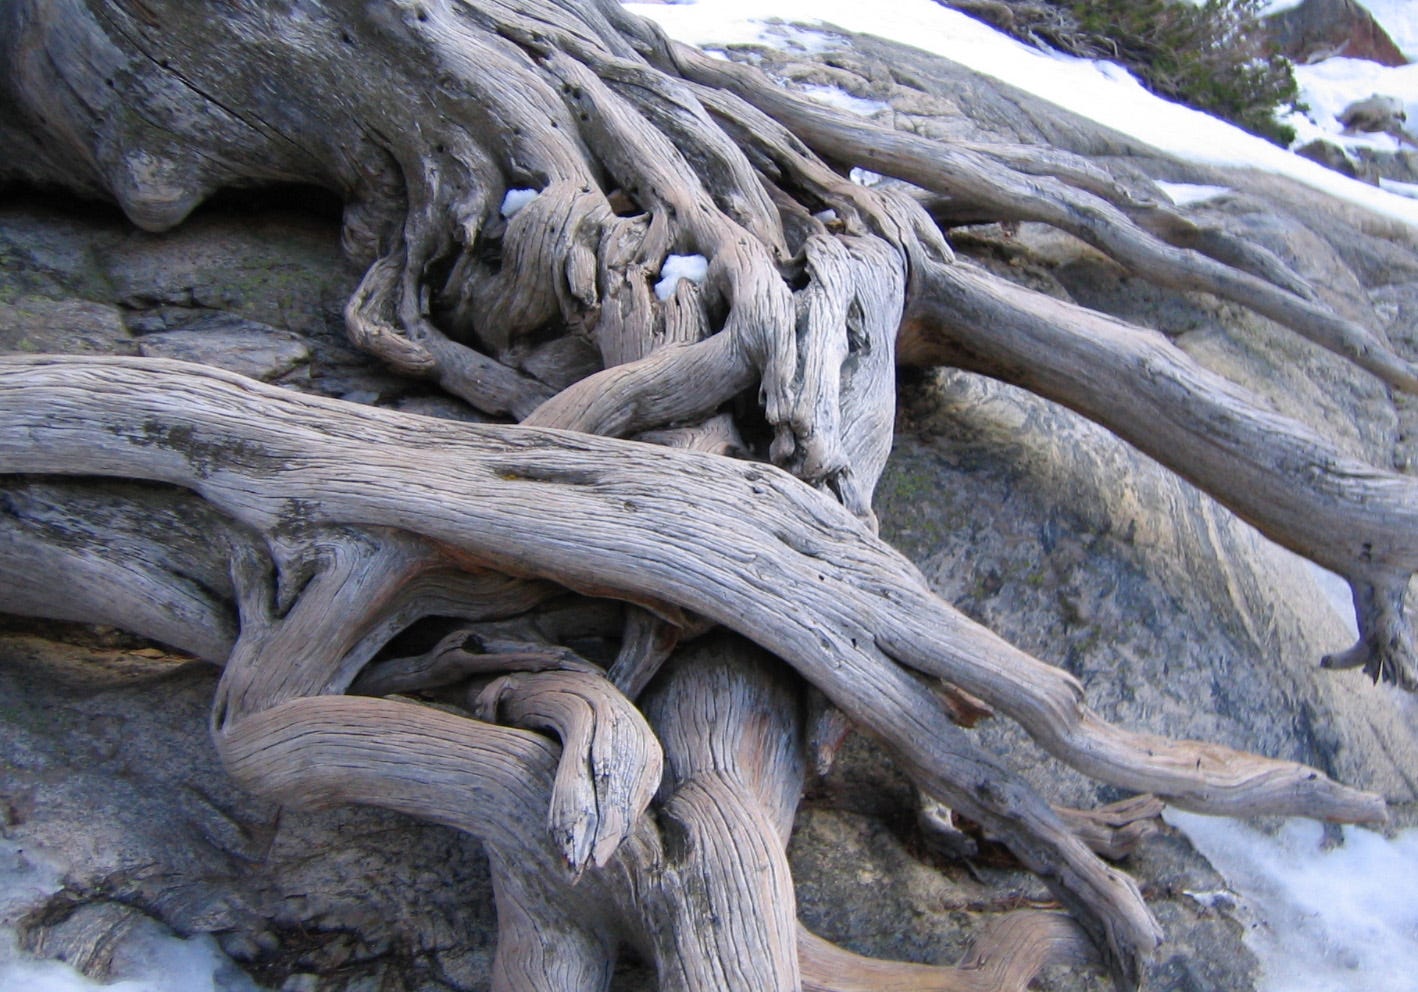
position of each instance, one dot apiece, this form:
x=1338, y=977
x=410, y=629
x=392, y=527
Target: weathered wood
x=162, y=572
x=1012, y=196
x=579, y=509
x=763, y=554
x=342, y=527
x=610, y=760
x=1293, y=485
x=1006, y=957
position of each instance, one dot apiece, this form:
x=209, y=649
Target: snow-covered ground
x=1327, y=87
x=1344, y=920
x=146, y=960
x=1101, y=91
x=1337, y=920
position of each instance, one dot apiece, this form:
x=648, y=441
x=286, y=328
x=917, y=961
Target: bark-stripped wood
x=610, y=760
x=1293, y=485
x=341, y=528
x=1005, y=958
x=763, y=555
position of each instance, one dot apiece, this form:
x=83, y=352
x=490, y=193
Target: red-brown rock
x=1320, y=29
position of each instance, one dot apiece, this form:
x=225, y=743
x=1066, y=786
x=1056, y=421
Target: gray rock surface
x=1178, y=618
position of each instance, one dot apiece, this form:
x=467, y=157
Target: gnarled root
x=761, y=553
x=1005, y=957
x=610, y=760
x=1294, y=486
x=1001, y=193
x=631, y=150
x=1386, y=648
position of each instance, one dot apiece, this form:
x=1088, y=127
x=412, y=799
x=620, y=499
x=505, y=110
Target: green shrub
x=1209, y=56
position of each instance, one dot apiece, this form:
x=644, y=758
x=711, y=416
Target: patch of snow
x=1335, y=920
x=863, y=177
x=826, y=216
x=1213, y=899
x=148, y=959
x=1328, y=87
x=842, y=100
x=1186, y=194
x=516, y=199
x=721, y=23
x=1409, y=190
x=1399, y=19
x=677, y=267
x=1100, y=91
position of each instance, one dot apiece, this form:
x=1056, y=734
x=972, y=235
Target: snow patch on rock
x=692, y=267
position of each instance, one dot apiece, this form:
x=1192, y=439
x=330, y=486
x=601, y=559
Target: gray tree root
x=1007, y=195
x=1294, y=486
x=1005, y=958
x=341, y=528
x=763, y=555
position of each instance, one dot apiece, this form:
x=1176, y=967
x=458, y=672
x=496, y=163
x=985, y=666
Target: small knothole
x=421, y=13
x=623, y=204
x=346, y=38
x=109, y=82
x=439, y=148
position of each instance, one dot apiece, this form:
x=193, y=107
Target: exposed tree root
x=1296, y=487
x=1004, y=958
x=1007, y=195
x=1117, y=829
x=516, y=176
x=792, y=571
x=610, y=760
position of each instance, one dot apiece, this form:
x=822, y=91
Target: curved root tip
x=369, y=319
x=1385, y=649
x=1394, y=662
x=1005, y=957
x=1116, y=830
x=611, y=761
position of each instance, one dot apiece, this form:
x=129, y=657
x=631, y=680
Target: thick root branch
x=1294, y=486
x=610, y=760
x=1006, y=957
x=322, y=751
x=499, y=510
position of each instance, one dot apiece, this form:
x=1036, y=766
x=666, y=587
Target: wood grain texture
x=653, y=802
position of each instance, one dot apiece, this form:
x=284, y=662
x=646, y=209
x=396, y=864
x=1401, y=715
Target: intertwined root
x=622, y=149
x=761, y=554
x=516, y=177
